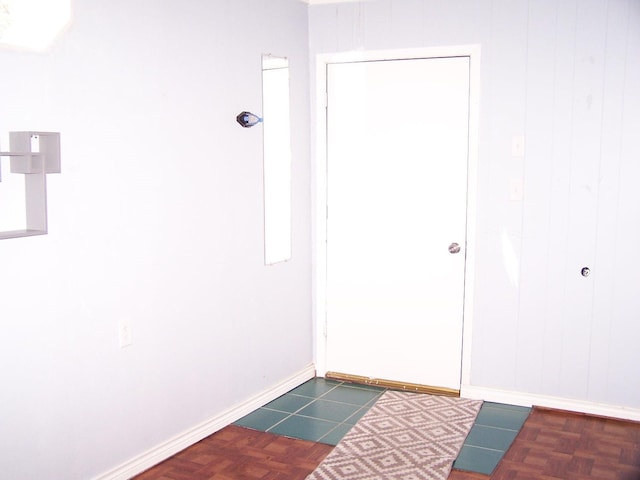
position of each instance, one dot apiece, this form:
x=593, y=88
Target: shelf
x=21, y=233
x=33, y=154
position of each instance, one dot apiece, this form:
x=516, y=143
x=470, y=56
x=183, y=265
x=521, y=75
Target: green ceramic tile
x=335, y=435
x=501, y=418
x=352, y=420
x=505, y=406
x=315, y=387
x=371, y=402
x=261, y=419
x=490, y=437
x=288, y=403
x=473, y=459
x=328, y=410
x=304, y=428
x=354, y=396
x=363, y=386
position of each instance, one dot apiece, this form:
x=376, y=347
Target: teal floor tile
x=315, y=387
x=363, y=386
x=354, y=396
x=479, y=460
x=501, y=418
x=490, y=437
x=322, y=410
x=305, y=428
x=358, y=415
x=335, y=435
x=261, y=419
x=288, y=403
x=328, y=410
x=504, y=406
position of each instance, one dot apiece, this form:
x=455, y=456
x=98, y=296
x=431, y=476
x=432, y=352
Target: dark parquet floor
x=552, y=445
x=555, y=445
x=238, y=453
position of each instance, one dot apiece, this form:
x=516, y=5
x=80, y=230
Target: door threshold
x=393, y=384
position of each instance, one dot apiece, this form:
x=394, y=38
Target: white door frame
x=319, y=274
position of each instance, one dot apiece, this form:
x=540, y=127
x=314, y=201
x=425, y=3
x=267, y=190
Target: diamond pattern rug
x=404, y=436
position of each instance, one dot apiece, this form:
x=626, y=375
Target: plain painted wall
x=157, y=217
x=565, y=74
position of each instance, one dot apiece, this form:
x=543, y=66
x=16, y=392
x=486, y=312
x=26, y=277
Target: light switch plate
x=517, y=146
x=515, y=190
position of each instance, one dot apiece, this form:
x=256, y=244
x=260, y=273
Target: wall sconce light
x=248, y=119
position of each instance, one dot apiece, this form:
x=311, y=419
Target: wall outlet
x=124, y=333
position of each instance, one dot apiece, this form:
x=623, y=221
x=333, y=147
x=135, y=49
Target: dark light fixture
x=248, y=119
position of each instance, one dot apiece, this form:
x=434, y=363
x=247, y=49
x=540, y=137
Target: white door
x=397, y=150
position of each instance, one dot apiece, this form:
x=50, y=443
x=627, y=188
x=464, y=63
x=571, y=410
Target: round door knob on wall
x=585, y=272
x=454, y=248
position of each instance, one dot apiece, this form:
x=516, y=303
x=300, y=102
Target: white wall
x=565, y=75
x=156, y=218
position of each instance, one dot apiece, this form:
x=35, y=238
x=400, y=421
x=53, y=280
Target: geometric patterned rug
x=404, y=436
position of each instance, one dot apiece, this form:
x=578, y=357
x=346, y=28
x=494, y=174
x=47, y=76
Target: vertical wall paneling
x=608, y=181
x=588, y=73
x=500, y=246
x=349, y=25
x=537, y=198
x=376, y=20
x=624, y=354
x=563, y=74
x=407, y=22
x=156, y=220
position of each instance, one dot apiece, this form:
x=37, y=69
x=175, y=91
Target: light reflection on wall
x=510, y=259
x=32, y=24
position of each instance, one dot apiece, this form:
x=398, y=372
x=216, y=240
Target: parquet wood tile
x=237, y=453
x=552, y=445
x=557, y=445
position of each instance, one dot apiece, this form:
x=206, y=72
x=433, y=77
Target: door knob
x=454, y=248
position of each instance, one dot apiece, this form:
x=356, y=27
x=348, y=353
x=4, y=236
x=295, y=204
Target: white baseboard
x=528, y=400
x=187, y=438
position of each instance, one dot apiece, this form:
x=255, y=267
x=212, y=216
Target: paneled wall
x=564, y=75
x=156, y=219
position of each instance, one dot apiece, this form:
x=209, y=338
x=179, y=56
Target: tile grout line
x=497, y=428
x=366, y=406
x=484, y=448
x=291, y=414
x=363, y=408
x=338, y=401
x=329, y=432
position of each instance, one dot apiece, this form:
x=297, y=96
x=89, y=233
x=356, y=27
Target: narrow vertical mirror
x=277, y=159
